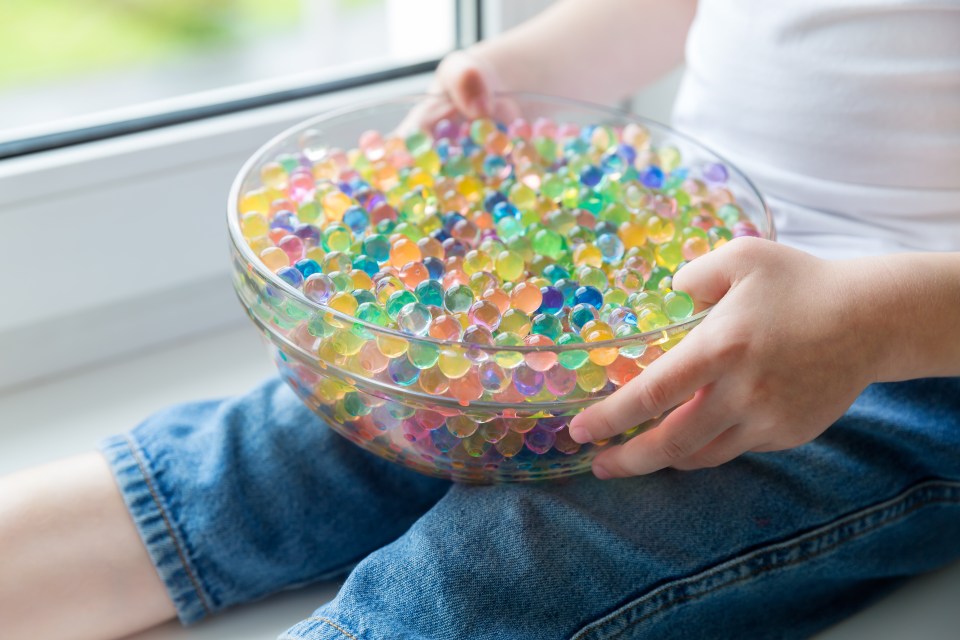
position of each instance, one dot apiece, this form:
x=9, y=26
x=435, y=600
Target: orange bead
x=404, y=250
x=413, y=273
x=526, y=297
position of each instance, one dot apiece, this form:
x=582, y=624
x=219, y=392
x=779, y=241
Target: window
x=76, y=70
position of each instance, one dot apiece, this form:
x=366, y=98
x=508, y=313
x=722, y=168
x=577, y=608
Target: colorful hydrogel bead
x=521, y=264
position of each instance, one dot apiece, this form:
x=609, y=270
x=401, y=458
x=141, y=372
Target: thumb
x=468, y=82
x=708, y=278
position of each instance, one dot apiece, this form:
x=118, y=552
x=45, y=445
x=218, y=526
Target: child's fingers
x=722, y=449
x=468, y=85
x=424, y=115
x=682, y=434
x=669, y=380
x=707, y=278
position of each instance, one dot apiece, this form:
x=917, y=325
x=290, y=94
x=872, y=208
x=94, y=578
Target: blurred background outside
x=63, y=59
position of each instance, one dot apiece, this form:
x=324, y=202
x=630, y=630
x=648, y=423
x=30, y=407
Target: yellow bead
x=254, y=200
x=335, y=203
x=453, y=363
x=587, y=255
x=253, y=225
x=274, y=258
x=274, y=176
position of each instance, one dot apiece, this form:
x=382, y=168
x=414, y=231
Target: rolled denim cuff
x=165, y=545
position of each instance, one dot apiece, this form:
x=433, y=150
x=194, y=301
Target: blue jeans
x=240, y=498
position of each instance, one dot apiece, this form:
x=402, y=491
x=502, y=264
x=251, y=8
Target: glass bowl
x=463, y=417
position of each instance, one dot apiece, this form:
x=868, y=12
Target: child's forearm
x=921, y=322
x=597, y=50
x=72, y=565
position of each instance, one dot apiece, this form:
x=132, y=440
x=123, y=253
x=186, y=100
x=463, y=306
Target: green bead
x=419, y=142
x=430, y=292
x=458, y=298
x=548, y=243
x=423, y=355
x=552, y=186
x=575, y=358
x=547, y=324
x=657, y=274
x=398, y=300
x=678, y=305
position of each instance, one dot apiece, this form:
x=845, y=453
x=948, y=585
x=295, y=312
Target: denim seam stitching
x=166, y=522
x=818, y=533
x=334, y=625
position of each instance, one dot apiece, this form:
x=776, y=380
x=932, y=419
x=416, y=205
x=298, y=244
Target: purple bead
x=445, y=129
x=307, y=233
x=539, y=440
x=553, y=424
x=715, y=172
x=552, y=300
x=443, y=440
x=284, y=220
x=374, y=201
x=527, y=381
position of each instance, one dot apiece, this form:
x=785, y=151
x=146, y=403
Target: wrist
x=915, y=304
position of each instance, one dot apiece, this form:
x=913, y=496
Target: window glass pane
x=64, y=63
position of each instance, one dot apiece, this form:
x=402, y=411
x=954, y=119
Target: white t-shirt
x=845, y=113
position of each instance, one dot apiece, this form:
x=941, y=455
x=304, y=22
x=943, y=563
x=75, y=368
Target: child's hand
x=468, y=81
x=789, y=346
x=464, y=85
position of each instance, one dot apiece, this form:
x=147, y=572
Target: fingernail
x=579, y=434
x=601, y=472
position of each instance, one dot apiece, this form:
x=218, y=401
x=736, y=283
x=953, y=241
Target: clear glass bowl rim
x=240, y=245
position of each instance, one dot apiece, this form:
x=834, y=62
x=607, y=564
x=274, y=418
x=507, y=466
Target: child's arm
x=72, y=565
x=792, y=341
x=596, y=50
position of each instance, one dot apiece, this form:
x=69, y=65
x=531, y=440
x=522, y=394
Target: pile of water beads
x=469, y=262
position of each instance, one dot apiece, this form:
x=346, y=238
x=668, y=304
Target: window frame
x=89, y=308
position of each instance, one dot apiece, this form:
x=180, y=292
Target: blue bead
x=377, y=247
x=503, y=210
x=434, y=267
x=552, y=300
x=345, y=187
x=652, y=178
x=496, y=166
x=628, y=153
x=363, y=295
x=284, y=220
x=554, y=272
x=402, y=371
x=366, y=264
x=568, y=289
x=591, y=176
x=450, y=220
x=492, y=199
x=453, y=248
x=589, y=295
x=581, y=314
x=307, y=267
x=292, y=276
x=357, y=219
x=576, y=147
